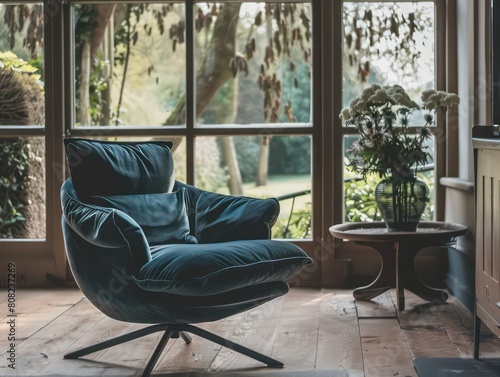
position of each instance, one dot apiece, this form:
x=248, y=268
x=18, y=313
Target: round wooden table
x=398, y=251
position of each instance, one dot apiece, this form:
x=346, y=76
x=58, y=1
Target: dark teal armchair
x=145, y=248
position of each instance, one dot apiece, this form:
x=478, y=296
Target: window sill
x=457, y=183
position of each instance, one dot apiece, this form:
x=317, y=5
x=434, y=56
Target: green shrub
x=297, y=226
x=15, y=157
x=359, y=199
x=22, y=101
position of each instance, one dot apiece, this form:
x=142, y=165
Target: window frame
x=43, y=258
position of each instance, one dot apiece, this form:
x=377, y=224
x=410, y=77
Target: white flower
x=376, y=114
x=426, y=94
x=370, y=91
x=451, y=99
x=380, y=96
x=433, y=99
x=405, y=100
x=401, y=97
x=345, y=114
x=357, y=105
x=430, y=105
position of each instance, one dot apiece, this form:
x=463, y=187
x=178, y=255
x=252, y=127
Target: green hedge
x=15, y=157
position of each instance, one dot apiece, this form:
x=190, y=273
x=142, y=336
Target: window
x=386, y=43
x=22, y=171
x=249, y=92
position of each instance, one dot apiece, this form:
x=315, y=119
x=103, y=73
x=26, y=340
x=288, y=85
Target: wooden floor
x=315, y=332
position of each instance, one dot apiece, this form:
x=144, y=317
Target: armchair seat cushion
x=210, y=269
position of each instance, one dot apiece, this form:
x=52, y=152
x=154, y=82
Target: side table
x=398, y=251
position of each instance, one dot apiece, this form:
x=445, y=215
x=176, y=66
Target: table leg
x=385, y=279
x=400, y=280
x=407, y=277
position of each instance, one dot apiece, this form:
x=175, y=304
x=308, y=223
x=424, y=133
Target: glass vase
x=401, y=201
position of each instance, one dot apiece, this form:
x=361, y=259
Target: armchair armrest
x=222, y=218
x=104, y=227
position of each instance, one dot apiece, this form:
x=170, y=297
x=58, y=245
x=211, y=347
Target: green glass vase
x=401, y=201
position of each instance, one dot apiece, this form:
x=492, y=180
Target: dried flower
x=383, y=147
x=345, y=113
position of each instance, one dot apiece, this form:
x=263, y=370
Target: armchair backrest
x=119, y=168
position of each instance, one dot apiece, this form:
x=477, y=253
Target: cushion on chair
x=162, y=217
x=221, y=218
x=119, y=168
x=210, y=269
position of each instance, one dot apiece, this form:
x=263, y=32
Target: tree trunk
x=228, y=115
x=108, y=45
x=83, y=116
x=263, y=166
x=104, y=14
x=231, y=162
x=214, y=70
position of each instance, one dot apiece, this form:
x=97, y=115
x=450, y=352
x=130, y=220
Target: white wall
x=465, y=48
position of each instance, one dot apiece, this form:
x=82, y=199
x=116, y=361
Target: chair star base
x=173, y=331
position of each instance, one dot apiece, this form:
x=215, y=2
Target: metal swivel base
x=173, y=331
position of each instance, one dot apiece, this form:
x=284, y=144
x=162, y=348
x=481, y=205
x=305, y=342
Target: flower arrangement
x=387, y=145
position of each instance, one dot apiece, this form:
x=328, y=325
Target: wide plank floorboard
x=385, y=352
x=313, y=331
x=339, y=345
x=423, y=325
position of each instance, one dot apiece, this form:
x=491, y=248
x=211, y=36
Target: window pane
x=359, y=197
x=21, y=65
x=22, y=103
x=130, y=64
x=388, y=43
x=253, y=63
x=179, y=155
x=22, y=188
x=278, y=166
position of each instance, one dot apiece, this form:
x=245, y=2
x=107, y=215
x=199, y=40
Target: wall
x=460, y=276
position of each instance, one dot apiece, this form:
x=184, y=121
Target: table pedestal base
x=399, y=258
x=398, y=251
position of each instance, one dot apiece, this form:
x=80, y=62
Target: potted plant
x=389, y=147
